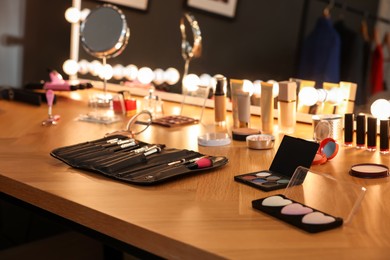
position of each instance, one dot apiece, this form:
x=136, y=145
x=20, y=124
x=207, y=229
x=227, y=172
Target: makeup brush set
x=130, y=160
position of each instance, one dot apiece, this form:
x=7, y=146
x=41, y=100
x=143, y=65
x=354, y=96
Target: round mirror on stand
x=104, y=34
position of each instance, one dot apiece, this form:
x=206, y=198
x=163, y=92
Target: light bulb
x=84, y=13
x=335, y=96
x=191, y=82
x=257, y=88
x=118, y=71
x=171, y=76
x=308, y=96
x=380, y=109
x=247, y=86
x=72, y=15
x=145, y=75
x=205, y=80
x=131, y=72
x=70, y=67
x=83, y=66
x=94, y=67
x=158, y=76
x=275, y=89
x=106, y=72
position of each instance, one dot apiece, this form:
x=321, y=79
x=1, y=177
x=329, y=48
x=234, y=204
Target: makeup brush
x=203, y=162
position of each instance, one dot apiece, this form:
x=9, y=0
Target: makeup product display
x=292, y=153
x=325, y=126
x=260, y=141
x=369, y=170
x=384, y=136
x=51, y=119
x=175, y=121
x=123, y=103
x=348, y=129
x=371, y=133
x=214, y=139
x=361, y=131
x=120, y=156
x=327, y=151
x=313, y=202
x=287, y=107
x=220, y=99
x=267, y=108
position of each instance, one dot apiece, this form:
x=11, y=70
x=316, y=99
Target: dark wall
x=261, y=42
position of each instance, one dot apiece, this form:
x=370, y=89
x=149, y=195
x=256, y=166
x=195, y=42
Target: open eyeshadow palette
x=316, y=204
x=292, y=152
x=175, y=120
x=123, y=158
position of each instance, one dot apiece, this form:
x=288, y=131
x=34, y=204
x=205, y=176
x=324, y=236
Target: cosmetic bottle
x=267, y=108
x=348, y=129
x=360, y=131
x=384, y=136
x=240, y=104
x=371, y=134
x=287, y=110
x=220, y=99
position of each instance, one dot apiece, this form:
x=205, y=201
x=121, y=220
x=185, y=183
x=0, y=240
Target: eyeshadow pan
x=317, y=218
x=276, y=201
x=263, y=174
x=296, y=209
x=273, y=178
x=283, y=181
x=249, y=177
x=259, y=180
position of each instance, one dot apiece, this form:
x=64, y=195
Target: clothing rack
x=346, y=7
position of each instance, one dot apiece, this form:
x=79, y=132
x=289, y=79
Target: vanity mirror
x=104, y=34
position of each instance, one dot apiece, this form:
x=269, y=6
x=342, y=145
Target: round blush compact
x=260, y=141
x=369, y=170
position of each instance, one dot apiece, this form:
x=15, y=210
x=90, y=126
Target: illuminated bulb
x=83, y=66
x=381, y=109
x=106, y=72
x=118, y=72
x=70, y=67
x=72, y=15
x=205, y=80
x=308, y=96
x=275, y=89
x=84, y=13
x=322, y=95
x=247, y=86
x=145, y=75
x=131, y=72
x=171, y=76
x=335, y=96
x=191, y=82
x=257, y=88
x=158, y=76
x=94, y=67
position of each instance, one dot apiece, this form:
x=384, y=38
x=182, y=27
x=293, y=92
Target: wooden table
x=199, y=217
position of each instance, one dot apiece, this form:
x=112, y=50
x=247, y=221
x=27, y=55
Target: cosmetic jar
x=260, y=141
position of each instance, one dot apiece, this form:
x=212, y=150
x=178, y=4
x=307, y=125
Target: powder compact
x=369, y=170
x=313, y=202
x=292, y=152
x=260, y=141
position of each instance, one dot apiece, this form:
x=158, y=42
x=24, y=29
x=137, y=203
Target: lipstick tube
x=384, y=136
x=371, y=134
x=360, y=131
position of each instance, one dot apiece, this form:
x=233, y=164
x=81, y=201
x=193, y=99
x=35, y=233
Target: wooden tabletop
x=205, y=216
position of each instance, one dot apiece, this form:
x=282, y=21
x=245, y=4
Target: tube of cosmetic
x=267, y=108
x=240, y=104
x=371, y=134
x=220, y=100
x=384, y=136
x=287, y=109
x=360, y=131
x=348, y=129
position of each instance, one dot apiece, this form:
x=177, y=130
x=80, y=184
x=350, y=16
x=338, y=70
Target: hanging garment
x=352, y=63
x=320, y=54
x=377, y=70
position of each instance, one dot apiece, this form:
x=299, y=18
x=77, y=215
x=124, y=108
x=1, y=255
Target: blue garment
x=320, y=54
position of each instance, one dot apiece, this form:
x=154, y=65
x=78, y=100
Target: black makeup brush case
x=129, y=160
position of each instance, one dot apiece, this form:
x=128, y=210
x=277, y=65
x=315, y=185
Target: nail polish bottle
x=287, y=109
x=360, y=131
x=348, y=129
x=220, y=100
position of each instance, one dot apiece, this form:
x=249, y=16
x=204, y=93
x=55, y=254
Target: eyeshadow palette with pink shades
x=297, y=214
